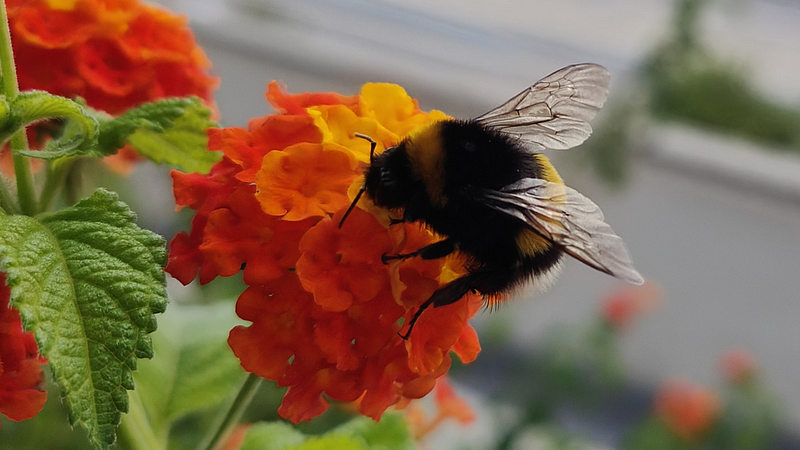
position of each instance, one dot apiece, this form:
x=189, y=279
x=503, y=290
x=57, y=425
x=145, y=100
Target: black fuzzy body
x=444, y=195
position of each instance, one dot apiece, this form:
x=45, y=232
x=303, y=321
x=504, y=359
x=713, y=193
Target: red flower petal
x=342, y=266
x=21, y=378
x=297, y=103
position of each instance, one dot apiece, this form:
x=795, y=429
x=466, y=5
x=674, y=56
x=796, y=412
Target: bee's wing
x=567, y=218
x=555, y=112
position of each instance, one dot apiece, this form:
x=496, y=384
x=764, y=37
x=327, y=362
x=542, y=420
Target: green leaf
x=34, y=106
x=332, y=442
x=272, y=436
x=281, y=436
x=361, y=433
x=390, y=433
x=169, y=131
x=195, y=368
x=175, y=139
x=87, y=281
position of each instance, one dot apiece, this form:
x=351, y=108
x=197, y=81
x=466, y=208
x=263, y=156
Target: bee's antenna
x=371, y=146
x=364, y=187
x=353, y=205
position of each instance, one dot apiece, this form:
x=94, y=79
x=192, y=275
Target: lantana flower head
x=325, y=310
x=115, y=54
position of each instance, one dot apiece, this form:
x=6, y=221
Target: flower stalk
x=135, y=430
x=230, y=420
x=10, y=89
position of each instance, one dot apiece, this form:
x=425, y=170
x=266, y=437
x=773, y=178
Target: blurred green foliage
x=579, y=377
x=579, y=367
x=687, y=83
x=683, y=81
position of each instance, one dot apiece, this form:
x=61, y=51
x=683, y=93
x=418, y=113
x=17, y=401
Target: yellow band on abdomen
x=426, y=153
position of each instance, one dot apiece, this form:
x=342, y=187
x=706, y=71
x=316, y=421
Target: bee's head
x=388, y=180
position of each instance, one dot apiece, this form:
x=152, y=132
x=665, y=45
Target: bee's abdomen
x=531, y=243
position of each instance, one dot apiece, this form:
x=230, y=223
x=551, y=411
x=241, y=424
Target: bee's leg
x=433, y=251
x=484, y=281
x=445, y=295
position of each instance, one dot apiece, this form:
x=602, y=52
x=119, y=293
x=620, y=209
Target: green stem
x=10, y=85
x=10, y=88
x=7, y=203
x=233, y=414
x=56, y=174
x=22, y=170
x=135, y=431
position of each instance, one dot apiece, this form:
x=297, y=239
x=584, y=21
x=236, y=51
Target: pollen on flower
x=325, y=311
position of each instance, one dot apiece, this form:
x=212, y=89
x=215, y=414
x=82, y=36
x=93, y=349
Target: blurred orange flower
x=21, y=379
x=325, y=310
x=448, y=406
x=738, y=366
x=687, y=409
x=115, y=54
x=623, y=305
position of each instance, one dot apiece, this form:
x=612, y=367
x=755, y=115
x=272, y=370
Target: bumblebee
x=486, y=188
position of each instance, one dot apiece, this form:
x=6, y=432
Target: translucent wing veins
x=568, y=218
x=555, y=112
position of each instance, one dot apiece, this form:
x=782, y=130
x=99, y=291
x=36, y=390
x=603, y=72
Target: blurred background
x=695, y=161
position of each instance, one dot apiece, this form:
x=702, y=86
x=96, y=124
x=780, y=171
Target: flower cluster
x=21, y=377
x=325, y=310
x=115, y=54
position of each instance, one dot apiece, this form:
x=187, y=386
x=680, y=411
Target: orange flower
x=686, y=409
x=204, y=193
x=342, y=266
x=296, y=104
x=324, y=309
x=21, y=396
x=115, y=54
x=320, y=174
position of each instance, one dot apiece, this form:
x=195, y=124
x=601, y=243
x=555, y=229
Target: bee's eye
x=386, y=175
